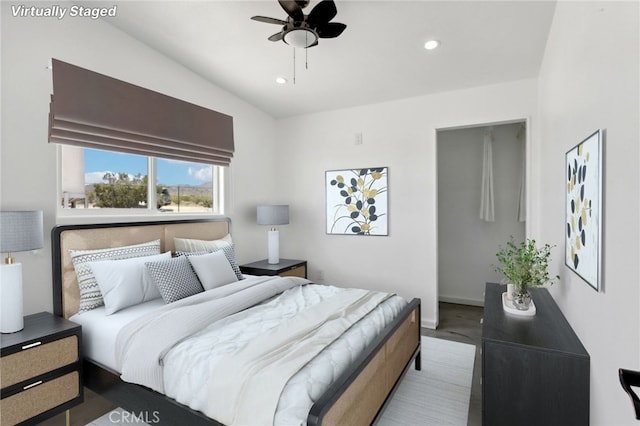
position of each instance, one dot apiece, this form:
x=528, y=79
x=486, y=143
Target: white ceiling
x=379, y=57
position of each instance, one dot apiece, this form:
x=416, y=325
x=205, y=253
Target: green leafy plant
x=525, y=265
x=120, y=190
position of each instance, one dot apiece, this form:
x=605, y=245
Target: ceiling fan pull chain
x=306, y=50
x=294, y=66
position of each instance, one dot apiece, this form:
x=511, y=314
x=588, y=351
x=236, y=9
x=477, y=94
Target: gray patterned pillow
x=229, y=251
x=90, y=296
x=175, y=278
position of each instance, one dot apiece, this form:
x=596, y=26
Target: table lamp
x=19, y=231
x=273, y=215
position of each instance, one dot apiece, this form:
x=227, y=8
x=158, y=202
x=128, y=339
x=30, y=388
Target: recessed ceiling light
x=281, y=80
x=431, y=44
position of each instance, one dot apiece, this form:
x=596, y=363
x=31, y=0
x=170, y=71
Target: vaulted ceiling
x=379, y=57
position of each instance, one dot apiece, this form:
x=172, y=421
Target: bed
x=357, y=395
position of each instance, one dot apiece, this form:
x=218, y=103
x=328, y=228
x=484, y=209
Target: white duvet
x=188, y=366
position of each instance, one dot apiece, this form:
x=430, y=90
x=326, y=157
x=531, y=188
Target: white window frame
x=219, y=174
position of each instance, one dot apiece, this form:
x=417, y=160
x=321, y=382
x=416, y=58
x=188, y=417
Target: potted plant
x=524, y=265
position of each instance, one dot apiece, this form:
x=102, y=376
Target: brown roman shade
x=92, y=110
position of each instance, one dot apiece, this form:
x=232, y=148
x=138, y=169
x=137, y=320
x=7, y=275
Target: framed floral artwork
x=583, y=234
x=357, y=201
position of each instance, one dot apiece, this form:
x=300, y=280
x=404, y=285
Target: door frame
x=528, y=187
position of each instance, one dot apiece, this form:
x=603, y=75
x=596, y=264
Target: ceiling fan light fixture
x=300, y=38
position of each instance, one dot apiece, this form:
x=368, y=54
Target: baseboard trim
x=461, y=301
x=429, y=323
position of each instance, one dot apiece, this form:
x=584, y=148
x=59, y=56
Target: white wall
x=402, y=136
x=28, y=172
x=467, y=244
x=590, y=79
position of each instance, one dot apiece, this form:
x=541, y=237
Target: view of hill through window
x=117, y=180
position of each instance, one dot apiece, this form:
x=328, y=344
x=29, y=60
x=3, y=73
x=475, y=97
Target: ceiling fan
x=300, y=30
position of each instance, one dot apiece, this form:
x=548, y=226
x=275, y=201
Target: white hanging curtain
x=486, y=198
x=522, y=199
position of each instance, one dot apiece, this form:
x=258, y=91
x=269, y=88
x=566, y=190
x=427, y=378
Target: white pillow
x=193, y=245
x=126, y=282
x=90, y=296
x=228, y=250
x=213, y=269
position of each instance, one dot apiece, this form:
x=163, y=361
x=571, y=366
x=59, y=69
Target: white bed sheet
x=99, y=330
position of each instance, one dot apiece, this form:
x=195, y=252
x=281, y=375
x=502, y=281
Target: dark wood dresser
x=535, y=370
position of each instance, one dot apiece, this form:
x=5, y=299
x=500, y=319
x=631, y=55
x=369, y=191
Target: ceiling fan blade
x=330, y=30
x=276, y=36
x=268, y=20
x=293, y=9
x=321, y=14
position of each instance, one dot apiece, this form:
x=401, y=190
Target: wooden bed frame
x=357, y=397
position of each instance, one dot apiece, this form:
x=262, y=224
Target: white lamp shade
x=20, y=231
x=273, y=215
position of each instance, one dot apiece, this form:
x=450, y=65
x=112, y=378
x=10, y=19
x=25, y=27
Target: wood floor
x=458, y=323
x=94, y=406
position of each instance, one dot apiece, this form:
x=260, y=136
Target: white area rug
x=439, y=393
x=435, y=396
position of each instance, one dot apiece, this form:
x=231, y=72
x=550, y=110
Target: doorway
x=471, y=178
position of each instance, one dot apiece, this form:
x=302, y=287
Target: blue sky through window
x=97, y=163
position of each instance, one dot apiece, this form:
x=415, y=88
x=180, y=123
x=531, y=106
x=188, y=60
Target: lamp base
x=274, y=247
x=11, y=319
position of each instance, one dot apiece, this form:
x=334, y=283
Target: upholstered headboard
x=66, y=293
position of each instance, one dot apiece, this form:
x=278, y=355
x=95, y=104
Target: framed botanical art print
x=357, y=201
x=583, y=234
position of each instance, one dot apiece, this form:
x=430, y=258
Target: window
x=99, y=180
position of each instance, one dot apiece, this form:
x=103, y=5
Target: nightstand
x=286, y=267
x=40, y=369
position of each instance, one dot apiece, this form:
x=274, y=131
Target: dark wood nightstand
x=286, y=267
x=40, y=369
